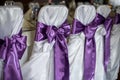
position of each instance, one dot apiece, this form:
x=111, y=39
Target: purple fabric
x=61, y=63
x=108, y=26
x=90, y=46
x=11, y=50
x=117, y=18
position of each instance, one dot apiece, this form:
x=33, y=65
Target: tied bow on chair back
x=53, y=27
x=12, y=43
x=90, y=46
x=59, y=35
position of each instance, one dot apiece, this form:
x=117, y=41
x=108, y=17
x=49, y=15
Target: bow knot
x=53, y=31
x=19, y=41
x=16, y=43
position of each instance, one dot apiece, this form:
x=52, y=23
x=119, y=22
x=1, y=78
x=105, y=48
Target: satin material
x=61, y=63
x=11, y=50
x=108, y=26
x=90, y=47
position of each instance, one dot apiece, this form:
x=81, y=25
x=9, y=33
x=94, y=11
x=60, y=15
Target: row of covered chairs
x=86, y=50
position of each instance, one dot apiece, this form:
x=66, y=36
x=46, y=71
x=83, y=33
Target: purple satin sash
x=61, y=63
x=108, y=26
x=11, y=50
x=90, y=46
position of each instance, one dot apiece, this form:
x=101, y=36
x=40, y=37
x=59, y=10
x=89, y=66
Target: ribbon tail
x=61, y=63
x=107, y=52
x=108, y=26
x=89, y=59
x=10, y=71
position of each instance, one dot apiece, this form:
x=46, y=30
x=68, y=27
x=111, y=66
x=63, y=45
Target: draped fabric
x=49, y=59
x=113, y=65
x=12, y=43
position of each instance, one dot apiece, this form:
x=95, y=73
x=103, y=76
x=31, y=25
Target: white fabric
x=114, y=64
x=115, y=2
x=11, y=19
x=99, y=39
x=40, y=65
x=19, y=4
x=53, y=15
x=85, y=14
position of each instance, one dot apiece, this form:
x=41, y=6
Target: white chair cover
x=114, y=64
x=41, y=64
x=11, y=19
x=100, y=74
x=85, y=14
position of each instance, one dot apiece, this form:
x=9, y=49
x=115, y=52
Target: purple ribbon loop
x=61, y=63
x=11, y=51
x=90, y=46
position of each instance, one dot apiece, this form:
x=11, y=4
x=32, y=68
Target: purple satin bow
x=61, y=63
x=90, y=46
x=108, y=26
x=11, y=51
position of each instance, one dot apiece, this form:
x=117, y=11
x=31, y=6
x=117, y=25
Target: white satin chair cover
x=100, y=73
x=11, y=19
x=41, y=64
x=114, y=63
x=85, y=14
